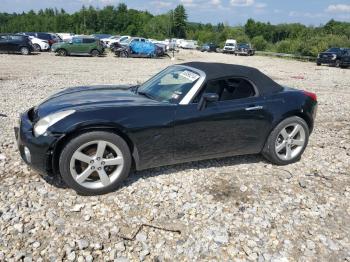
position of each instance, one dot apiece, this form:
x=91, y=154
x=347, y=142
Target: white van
x=189, y=44
x=230, y=46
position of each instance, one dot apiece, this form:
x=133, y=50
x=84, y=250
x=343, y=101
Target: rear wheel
x=25, y=51
x=95, y=163
x=287, y=141
x=62, y=52
x=37, y=48
x=95, y=53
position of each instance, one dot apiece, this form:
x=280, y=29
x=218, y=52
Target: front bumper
x=327, y=61
x=229, y=51
x=242, y=52
x=35, y=151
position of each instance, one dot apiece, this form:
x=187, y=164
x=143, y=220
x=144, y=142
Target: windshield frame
x=194, y=89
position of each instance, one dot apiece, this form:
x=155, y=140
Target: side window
x=44, y=36
x=88, y=40
x=228, y=89
x=16, y=37
x=77, y=40
x=3, y=38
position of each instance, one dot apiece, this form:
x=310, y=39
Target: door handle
x=254, y=108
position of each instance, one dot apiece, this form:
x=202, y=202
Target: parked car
x=15, y=43
x=79, y=45
x=244, y=49
x=209, y=47
x=139, y=49
x=108, y=41
x=339, y=57
x=171, y=44
x=230, y=46
x=65, y=36
x=49, y=37
x=93, y=136
x=39, y=45
x=188, y=44
x=101, y=36
x=127, y=42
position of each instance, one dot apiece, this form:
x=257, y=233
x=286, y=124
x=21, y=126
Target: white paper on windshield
x=189, y=75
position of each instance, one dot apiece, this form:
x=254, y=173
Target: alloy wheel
x=96, y=164
x=37, y=48
x=290, y=141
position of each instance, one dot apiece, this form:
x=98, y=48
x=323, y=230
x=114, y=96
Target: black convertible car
x=93, y=136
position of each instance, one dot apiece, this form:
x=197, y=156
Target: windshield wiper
x=145, y=94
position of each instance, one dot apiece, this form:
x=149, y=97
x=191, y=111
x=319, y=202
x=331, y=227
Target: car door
x=87, y=45
x=76, y=46
x=14, y=42
x=3, y=43
x=236, y=124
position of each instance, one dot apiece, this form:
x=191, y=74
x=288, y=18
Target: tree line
x=285, y=38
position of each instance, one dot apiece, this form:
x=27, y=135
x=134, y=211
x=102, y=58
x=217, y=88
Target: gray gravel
x=239, y=208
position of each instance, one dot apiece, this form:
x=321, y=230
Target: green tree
x=180, y=21
x=259, y=43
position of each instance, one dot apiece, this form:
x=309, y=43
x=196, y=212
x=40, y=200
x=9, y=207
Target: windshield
x=230, y=44
x=243, y=46
x=333, y=50
x=170, y=85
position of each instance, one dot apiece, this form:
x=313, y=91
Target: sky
x=232, y=12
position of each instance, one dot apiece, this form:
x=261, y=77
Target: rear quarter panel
x=292, y=102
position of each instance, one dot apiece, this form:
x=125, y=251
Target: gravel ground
x=239, y=208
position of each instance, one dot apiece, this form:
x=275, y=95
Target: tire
x=95, y=53
x=62, y=52
x=37, y=48
x=123, y=54
x=25, y=50
x=337, y=63
x=280, y=143
x=318, y=64
x=94, y=164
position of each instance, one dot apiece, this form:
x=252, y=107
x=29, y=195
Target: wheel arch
x=95, y=49
x=302, y=115
x=60, y=144
x=62, y=48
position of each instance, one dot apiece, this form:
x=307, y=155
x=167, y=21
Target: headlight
x=334, y=57
x=43, y=124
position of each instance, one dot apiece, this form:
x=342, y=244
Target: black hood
x=87, y=97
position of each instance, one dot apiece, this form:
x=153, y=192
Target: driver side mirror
x=207, y=98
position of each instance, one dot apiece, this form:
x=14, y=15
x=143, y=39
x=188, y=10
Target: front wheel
x=337, y=63
x=287, y=141
x=95, y=163
x=62, y=52
x=123, y=54
x=95, y=53
x=37, y=48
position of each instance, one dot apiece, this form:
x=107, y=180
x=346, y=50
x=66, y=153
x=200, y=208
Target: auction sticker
x=189, y=75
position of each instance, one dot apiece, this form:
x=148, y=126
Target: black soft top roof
x=219, y=70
